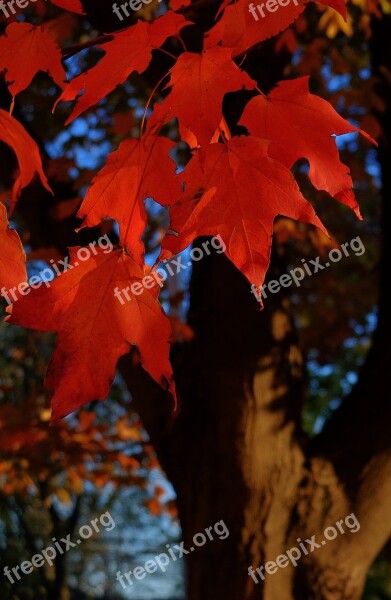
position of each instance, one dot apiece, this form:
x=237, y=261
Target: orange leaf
x=62, y=27
x=125, y=431
x=128, y=462
x=239, y=30
x=199, y=83
x=95, y=329
x=302, y=125
x=154, y=507
x=132, y=173
x=27, y=153
x=177, y=4
x=181, y=332
x=12, y=257
x=130, y=51
x=123, y=123
x=71, y=5
x=235, y=190
x=25, y=50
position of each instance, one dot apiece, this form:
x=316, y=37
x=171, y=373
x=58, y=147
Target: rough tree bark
x=235, y=449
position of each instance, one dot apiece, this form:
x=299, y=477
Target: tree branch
x=104, y=39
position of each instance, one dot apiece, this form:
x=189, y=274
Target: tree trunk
x=235, y=451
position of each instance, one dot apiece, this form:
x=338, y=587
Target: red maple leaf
x=71, y=5
x=302, y=125
x=239, y=30
x=235, y=190
x=199, y=83
x=130, y=51
x=12, y=257
x=94, y=328
x=27, y=154
x=25, y=50
x=132, y=173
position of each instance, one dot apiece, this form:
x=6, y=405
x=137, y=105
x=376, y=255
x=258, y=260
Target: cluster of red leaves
x=233, y=186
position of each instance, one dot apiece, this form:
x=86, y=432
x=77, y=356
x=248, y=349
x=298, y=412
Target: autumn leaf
x=199, y=83
x=122, y=123
x=12, y=256
x=61, y=27
x=132, y=173
x=235, y=190
x=239, y=30
x=25, y=50
x=181, y=332
x=71, y=5
x=129, y=52
x=302, y=125
x=154, y=506
x=94, y=328
x=127, y=431
x=26, y=151
x=16, y=435
x=177, y=4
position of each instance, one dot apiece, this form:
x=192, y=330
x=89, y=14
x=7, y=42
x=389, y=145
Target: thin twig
x=71, y=50
x=104, y=39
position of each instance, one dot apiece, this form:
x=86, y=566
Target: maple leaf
x=302, y=125
x=130, y=51
x=12, y=257
x=177, y=4
x=71, y=5
x=199, y=83
x=235, y=190
x=132, y=173
x=239, y=30
x=26, y=151
x=94, y=328
x=25, y=50
x=61, y=28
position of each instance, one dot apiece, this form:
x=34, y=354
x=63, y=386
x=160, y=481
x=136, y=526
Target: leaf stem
x=149, y=102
